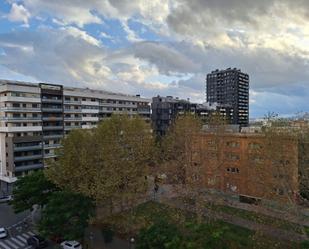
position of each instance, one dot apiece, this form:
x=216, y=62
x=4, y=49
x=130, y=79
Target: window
x=232, y=144
x=232, y=156
x=34, y=105
x=232, y=170
x=256, y=159
x=255, y=146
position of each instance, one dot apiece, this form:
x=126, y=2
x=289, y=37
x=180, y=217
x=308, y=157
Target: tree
x=159, y=235
x=109, y=163
x=66, y=216
x=32, y=189
x=181, y=152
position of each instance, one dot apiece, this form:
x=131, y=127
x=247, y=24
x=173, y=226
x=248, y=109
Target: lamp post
x=91, y=239
x=132, y=241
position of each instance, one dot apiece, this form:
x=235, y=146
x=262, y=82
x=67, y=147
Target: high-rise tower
x=230, y=87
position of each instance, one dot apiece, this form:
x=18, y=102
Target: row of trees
x=111, y=164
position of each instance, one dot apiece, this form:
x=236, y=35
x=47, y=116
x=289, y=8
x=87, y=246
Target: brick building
x=253, y=166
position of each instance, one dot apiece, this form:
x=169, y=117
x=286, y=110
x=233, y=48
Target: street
x=18, y=228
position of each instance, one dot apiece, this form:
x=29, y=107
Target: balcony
x=19, y=109
x=90, y=119
x=70, y=102
x=72, y=110
x=90, y=110
x=20, y=99
x=74, y=118
x=51, y=146
x=27, y=158
x=52, y=118
x=20, y=119
x=29, y=167
x=47, y=109
x=20, y=128
x=50, y=155
x=28, y=148
x=46, y=137
x=52, y=128
x=88, y=126
x=72, y=127
x=93, y=103
x=58, y=101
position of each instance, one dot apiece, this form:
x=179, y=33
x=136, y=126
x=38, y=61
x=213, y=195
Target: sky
x=161, y=47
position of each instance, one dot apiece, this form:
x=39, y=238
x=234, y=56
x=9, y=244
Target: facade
x=35, y=117
x=230, y=87
x=165, y=110
x=251, y=166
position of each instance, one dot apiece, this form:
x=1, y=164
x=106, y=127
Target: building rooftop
x=30, y=84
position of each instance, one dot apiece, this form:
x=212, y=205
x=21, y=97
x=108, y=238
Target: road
x=8, y=217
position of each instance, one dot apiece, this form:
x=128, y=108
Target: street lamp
x=132, y=241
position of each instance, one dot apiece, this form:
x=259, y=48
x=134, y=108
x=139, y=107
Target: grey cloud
x=207, y=15
x=166, y=58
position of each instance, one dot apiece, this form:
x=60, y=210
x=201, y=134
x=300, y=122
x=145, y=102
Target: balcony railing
x=20, y=109
x=52, y=101
x=29, y=167
x=28, y=148
x=47, y=109
x=45, y=137
x=27, y=158
x=51, y=128
x=52, y=118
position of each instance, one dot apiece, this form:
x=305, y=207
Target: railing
x=28, y=167
x=28, y=148
x=27, y=158
x=46, y=109
x=50, y=128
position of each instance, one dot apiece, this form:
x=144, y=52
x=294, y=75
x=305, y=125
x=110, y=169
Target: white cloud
x=19, y=13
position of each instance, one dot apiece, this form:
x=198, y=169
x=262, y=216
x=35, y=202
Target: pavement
x=8, y=217
x=18, y=226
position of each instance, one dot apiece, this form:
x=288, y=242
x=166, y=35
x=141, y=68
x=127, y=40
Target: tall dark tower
x=230, y=87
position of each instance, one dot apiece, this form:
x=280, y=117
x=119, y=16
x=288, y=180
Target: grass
x=129, y=223
x=258, y=218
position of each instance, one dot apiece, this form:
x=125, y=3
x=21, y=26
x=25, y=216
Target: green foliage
x=161, y=235
x=66, y=216
x=165, y=235
x=32, y=189
x=106, y=163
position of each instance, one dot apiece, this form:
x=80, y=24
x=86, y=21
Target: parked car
x=37, y=241
x=6, y=198
x=3, y=233
x=71, y=245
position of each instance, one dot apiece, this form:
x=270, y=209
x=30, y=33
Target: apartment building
x=35, y=117
x=252, y=167
x=230, y=87
x=166, y=109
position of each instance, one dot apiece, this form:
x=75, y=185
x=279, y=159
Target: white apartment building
x=35, y=117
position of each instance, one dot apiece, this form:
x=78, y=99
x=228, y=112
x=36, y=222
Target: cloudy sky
x=161, y=47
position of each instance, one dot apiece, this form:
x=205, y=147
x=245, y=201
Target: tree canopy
x=66, y=216
x=109, y=162
x=32, y=189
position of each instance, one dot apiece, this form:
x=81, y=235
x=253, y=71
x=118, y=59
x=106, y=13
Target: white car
x=6, y=198
x=71, y=245
x=3, y=233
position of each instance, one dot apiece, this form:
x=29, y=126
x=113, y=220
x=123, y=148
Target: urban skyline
x=142, y=47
